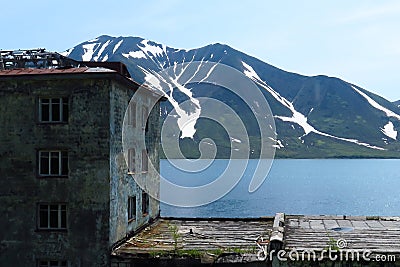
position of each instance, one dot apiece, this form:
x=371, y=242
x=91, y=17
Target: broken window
x=53, y=110
x=51, y=263
x=53, y=163
x=131, y=208
x=145, y=203
x=52, y=216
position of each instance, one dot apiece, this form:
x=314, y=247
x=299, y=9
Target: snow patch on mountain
x=88, y=51
x=278, y=144
x=101, y=50
x=67, y=52
x=373, y=103
x=250, y=72
x=186, y=120
x=147, y=48
x=297, y=117
x=389, y=130
x=117, y=46
x=93, y=40
x=135, y=54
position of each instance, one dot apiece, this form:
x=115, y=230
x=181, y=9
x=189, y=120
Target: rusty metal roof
x=17, y=72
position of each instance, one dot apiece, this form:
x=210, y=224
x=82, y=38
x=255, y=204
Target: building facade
x=68, y=195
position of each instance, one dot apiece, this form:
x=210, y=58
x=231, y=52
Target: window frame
x=63, y=158
x=60, y=263
x=61, y=207
x=131, y=160
x=145, y=203
x=145, y=160
x=132, y=107
x=63, y=113
x=132, y=210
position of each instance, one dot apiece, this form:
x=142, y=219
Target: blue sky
x=358, y=41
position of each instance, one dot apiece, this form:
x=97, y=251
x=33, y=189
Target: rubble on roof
x=34, y=58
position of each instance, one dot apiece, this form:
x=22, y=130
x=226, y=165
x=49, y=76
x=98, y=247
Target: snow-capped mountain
x=315, y=116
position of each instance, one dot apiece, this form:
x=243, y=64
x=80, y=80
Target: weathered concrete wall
x=153, y=140
x=98, y=185
x=123, y=184
x=86, y=190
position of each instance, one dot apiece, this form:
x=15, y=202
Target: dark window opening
x=53, y=110
x=53, y=163
x=51, y=263
x=64, y=163
x=132, y=208
x=145, y=203
x=52, y=216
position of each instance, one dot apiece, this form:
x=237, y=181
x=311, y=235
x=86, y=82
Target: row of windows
x=56, y=110
x=55, y=162
x=53, y=216
x=132, y=206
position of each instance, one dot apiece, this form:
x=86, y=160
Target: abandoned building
x=67, y=195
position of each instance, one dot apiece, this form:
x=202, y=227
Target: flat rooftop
x=207, y=239
x=240, y=240
x=380, y=235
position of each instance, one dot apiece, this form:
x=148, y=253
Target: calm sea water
x=310, y=187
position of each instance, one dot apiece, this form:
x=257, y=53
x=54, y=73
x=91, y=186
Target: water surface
x=300, y=186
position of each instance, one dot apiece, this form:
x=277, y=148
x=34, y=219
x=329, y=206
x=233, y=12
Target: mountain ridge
x=315, y=116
